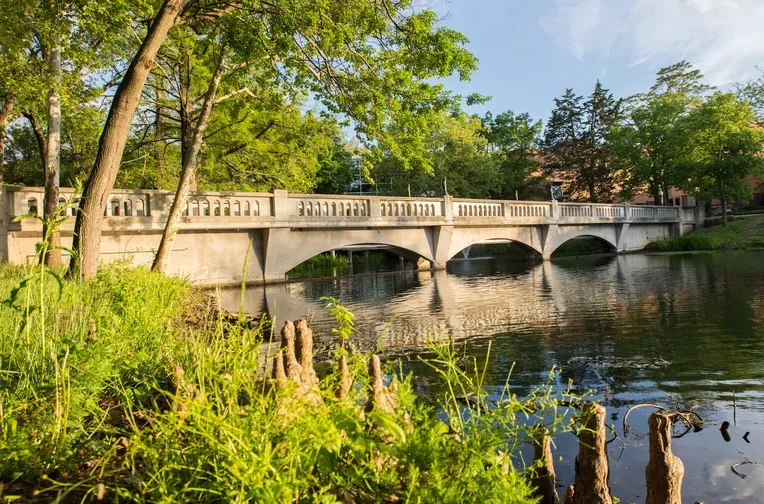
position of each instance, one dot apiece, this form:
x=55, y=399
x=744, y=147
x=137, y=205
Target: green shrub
x=688, y=242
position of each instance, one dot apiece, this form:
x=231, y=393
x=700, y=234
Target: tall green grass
x=688, y=242
x=132, y=387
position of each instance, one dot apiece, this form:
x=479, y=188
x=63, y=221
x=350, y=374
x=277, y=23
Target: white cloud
x=723, y=38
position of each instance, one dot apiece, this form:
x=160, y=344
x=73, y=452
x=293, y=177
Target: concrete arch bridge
x=277, y=231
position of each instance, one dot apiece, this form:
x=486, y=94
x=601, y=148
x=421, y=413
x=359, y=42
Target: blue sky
x=531, y=50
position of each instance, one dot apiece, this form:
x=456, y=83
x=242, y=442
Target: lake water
x=636, y=328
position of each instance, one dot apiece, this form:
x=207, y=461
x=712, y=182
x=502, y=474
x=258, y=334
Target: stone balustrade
x=258, y=208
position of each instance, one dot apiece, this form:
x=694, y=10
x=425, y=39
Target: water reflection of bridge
x=408, y=308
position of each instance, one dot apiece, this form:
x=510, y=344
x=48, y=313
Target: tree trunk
x=592, y=469
x=42, y=141
x=723, y=201
x=664, y=471
x=5, y=114
x=666, y=199
x=570, y=495
x=159, y=131
x=52, y=161
x=87, y=230
x=188, y=171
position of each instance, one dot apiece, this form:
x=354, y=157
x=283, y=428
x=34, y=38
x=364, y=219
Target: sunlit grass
x=142, y=391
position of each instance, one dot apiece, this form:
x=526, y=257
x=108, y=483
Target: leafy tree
x=111, y=145
x=370, y=60
x=80, y=127
x=649, y=145
x=515, y=139
x=680, y=79
x=460, y=158
x=336, y=170
x=725, y=147
x=53, y=49
x=752, y=92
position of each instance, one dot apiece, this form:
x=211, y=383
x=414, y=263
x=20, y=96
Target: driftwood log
x=544, y=480
x=665, y=470
x=592, y=469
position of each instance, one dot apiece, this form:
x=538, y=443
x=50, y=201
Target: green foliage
x=144, y=394
x=649, y=146
x=336, y=170
x=345, y=320
x=690, y=242
x=457, y=152
x=320, y=265
x=752, y=92
x=741, y=234
x=577, y=143
x=515, y=141
x=581, y=247
x=725, y=147
x=93, y=39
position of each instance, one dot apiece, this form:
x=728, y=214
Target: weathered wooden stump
x=545, y=479
x=346, y=382
x=664, y=472
x=592, y=468
x=384, y=399
x=569, y=497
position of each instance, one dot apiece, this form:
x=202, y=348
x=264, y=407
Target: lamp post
x=555, y=190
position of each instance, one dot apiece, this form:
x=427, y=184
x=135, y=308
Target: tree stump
x=592, y=468
x=384, y=399
x=664, y=472
x=569, y=497
x=545, y=480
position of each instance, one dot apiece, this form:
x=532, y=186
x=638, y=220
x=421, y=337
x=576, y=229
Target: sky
x=530, y=51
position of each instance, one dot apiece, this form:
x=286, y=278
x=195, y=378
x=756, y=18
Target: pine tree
x=564, y=149
x=601, y=114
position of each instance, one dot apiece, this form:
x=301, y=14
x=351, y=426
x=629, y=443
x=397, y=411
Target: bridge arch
x=606, y=234
x=408, y=254
x=301, y=246
x=467, y=237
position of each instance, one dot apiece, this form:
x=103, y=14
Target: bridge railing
x=409, y=207
x=214, y=208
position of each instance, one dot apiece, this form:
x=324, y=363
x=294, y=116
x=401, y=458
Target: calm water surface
x=636, y=328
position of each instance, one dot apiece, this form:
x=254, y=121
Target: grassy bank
x=132, y=387
x=743, y=233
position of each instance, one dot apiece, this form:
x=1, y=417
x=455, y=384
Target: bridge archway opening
x=499, y=248
x=584, y=245
x=355, y=259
